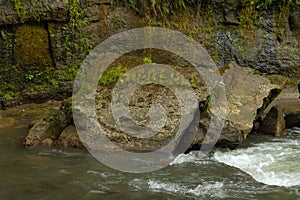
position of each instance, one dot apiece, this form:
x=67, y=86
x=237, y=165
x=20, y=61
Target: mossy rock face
x=67, y=109
x=32, y=46
x=282, y=80
x=6, y=47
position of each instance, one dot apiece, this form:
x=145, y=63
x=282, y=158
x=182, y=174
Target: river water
x=268, y=169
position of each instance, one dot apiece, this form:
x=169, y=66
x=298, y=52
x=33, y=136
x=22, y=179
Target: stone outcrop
x=273, y=123
x=246, y=94
x=282, y=113
x=155, y=113
x=47, y=129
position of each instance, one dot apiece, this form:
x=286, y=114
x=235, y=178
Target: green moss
x=147, y=60
x=158, y=8
x=216, y=57
x=67, y=109
x=193, y=81
x=37, y=80
x=112, y=76
x=281, y=80
x=76, y=40
x=7, y=91
x=19, y=7
x=250, y=9
x=32, y=47
x=34, y=72
x=27, y=10
x=205, y=105
x=6, y=47
x=41, y=81
x=67, y=73
x=9, y=95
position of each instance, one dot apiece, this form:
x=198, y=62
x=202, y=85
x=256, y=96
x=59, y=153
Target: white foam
x=169, y=187
x=272, y=163
x=212, y=189
x=96, y=192
x=102, y=174
x=192, y=157
x=202, y=190
x=294, y=130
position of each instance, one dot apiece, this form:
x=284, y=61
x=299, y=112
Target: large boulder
x=154, y=113
x=47, y=129
x=246, y=93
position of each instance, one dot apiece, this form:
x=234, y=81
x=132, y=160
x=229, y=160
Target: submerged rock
x=54, y=127
x=47, y=129
x=14, y=116
x=70, y=138
x=30, y=110
x=6, y=122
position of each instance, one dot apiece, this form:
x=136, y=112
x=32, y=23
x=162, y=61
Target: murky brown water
x=63, y=174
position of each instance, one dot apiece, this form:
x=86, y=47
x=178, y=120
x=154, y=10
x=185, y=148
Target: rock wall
x=43, y=42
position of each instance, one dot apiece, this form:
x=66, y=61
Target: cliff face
x=43, y=42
